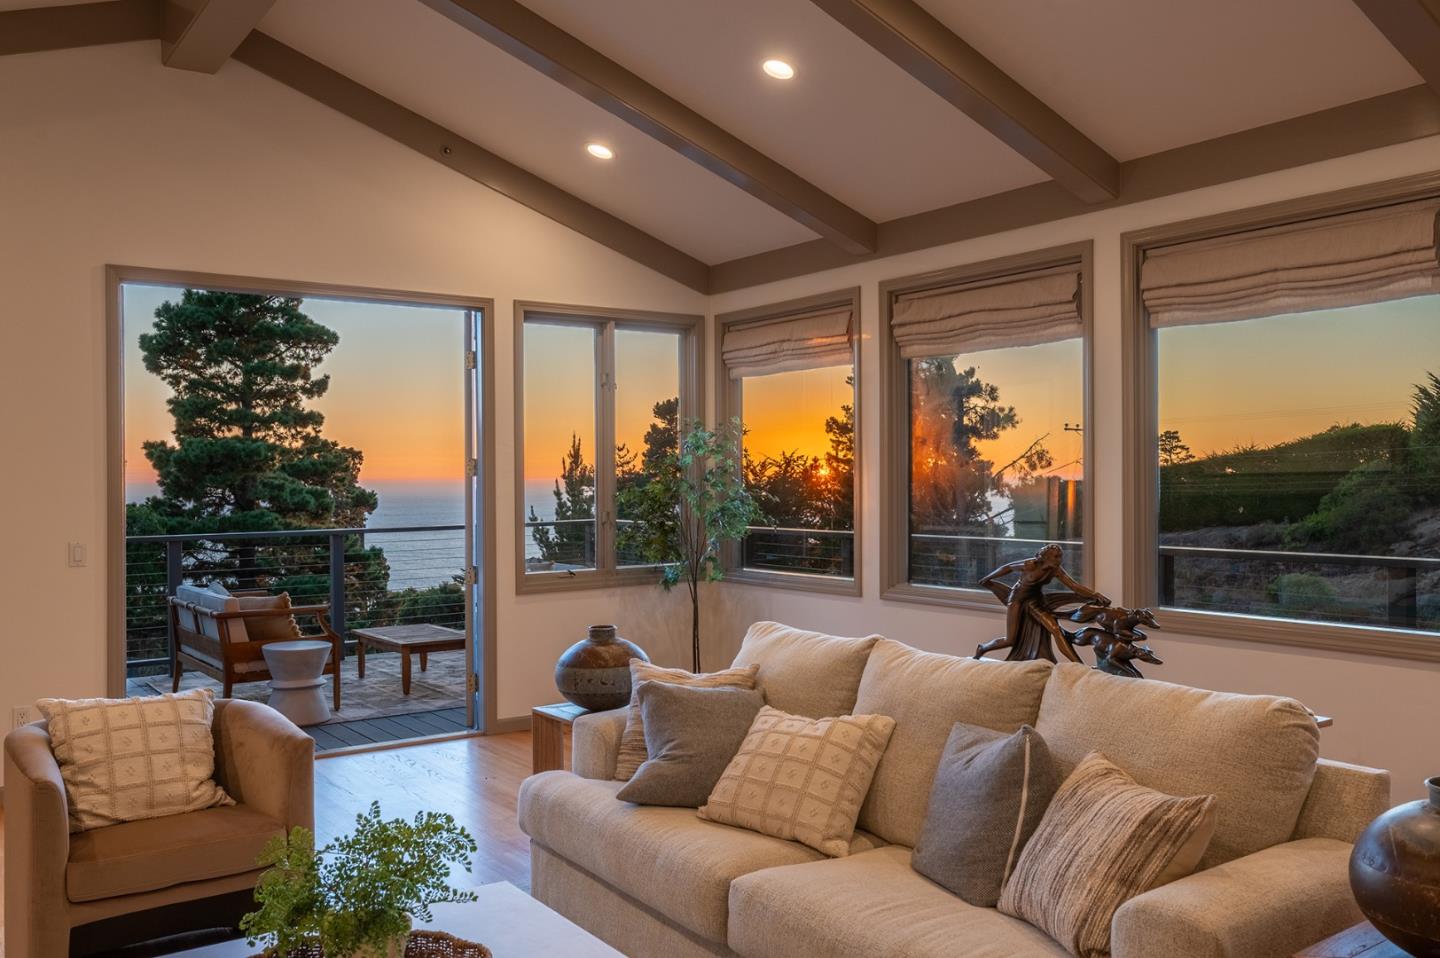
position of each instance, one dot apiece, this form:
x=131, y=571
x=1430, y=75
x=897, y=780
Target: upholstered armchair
x=75, y=894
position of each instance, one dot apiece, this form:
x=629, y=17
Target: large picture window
x=987, y=444
x=1295, y=442
x=789, y=375
x=603, y=396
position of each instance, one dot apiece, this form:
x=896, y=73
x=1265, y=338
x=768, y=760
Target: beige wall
x=1384, y=710
x=106, y=157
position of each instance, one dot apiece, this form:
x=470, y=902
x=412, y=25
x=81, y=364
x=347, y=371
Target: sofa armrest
x=595, y=743
x=1271, y=904
x=264, y=761
x=37, y=846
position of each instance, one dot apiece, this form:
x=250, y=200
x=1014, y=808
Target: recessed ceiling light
x=778, y=69
x=600, y=151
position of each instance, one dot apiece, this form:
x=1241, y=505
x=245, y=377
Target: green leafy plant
x=360, y=893
x=690, y=502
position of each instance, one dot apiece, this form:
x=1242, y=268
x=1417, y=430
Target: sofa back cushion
x=926, y=693
x=805, y=673
x=1255, y=753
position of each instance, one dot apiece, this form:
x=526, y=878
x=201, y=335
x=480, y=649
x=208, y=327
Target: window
x=986, y=450
x=789, y=375
x=603, y=395
x=1294, y=441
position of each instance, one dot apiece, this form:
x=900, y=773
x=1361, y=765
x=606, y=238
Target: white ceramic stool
x=296, y=679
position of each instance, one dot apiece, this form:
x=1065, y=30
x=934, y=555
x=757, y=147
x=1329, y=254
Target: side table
x=547, y=734
x=1359, y=941
x=296, y=675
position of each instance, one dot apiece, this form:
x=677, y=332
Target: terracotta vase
x=594, y=673
x=1395, y=874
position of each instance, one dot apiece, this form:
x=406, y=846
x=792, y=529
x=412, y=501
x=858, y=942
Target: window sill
x=795, y=581
x=1292, y=633
x=539, y=583
x=950, y=598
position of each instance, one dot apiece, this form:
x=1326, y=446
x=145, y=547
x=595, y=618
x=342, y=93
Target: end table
x=547, y=734
x=1360, y=941
x=297, y=671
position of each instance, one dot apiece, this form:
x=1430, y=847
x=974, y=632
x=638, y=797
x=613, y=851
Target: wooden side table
x=1360, y=941
x=405, y=639
x=547, y=734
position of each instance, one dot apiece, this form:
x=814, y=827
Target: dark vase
x=1395, y=874
x=594, y=673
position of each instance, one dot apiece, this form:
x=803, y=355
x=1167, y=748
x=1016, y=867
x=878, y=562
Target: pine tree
x=571, y=539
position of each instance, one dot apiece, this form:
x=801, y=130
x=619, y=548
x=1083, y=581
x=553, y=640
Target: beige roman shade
x=1347, y=260
x=1042, y=306
x=804, y=341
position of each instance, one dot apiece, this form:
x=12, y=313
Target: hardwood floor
x=474, y=779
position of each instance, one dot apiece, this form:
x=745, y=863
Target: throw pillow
x=127, y=759
x=691, y=733
x=270, y=628
x=632, y=742
x=989, y=794
x=805, y=673
x=801, y=779
x=1103, y=840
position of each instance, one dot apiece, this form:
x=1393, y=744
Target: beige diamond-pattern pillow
x=633, y=752
x=127, y=759
x=801, y=779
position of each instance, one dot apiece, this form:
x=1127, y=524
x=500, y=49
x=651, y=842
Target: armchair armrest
x=1271, y=904
x=37, y=845
x=264, y=761
x=595, y=743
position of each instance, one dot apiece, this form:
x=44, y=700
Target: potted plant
x=356, y=897
x=685, y=508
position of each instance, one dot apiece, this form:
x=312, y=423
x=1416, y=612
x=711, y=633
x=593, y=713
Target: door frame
x=480, y=635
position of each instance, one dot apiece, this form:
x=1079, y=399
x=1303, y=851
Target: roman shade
x=1347, y=260
x=804, y=341
x=1041, y=306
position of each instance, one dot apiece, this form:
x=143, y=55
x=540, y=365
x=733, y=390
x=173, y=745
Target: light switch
x=76, y=552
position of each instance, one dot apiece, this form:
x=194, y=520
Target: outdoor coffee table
x=504, y=919
x=406, y=639
x=297, y=671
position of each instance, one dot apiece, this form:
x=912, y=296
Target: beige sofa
x=100, y=889
x=660, y=882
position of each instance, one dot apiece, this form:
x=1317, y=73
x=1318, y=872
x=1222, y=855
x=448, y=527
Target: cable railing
x=959, y=561
x=393, y=575
x=828, y=552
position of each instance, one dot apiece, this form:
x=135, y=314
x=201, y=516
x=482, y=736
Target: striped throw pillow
x=632, y=752
x=1103, y=840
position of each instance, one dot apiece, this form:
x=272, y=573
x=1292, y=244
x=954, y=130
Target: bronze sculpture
x=1032, y=625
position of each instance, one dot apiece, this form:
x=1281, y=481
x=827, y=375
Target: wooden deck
x=390, y=728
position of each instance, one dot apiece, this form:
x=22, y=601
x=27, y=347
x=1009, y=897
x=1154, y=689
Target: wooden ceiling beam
x=317, y=81
x=925, y=48
x=1413, y=29
x=35, y=29
x=202, y=36
x=565, y=59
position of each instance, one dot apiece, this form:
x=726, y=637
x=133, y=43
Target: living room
x=869, y=185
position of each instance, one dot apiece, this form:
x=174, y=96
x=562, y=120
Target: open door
x=479, y=527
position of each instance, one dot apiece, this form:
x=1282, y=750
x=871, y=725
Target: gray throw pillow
x=691, y=734
x=991, y=790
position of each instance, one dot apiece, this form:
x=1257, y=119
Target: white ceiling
x=1136, y=76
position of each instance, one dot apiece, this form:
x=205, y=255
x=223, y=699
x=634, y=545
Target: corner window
x=789, y=376
x=1296, y=434
x=987, y=424
x=602, y=396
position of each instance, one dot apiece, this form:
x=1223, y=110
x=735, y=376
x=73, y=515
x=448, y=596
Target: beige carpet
x=377, y=695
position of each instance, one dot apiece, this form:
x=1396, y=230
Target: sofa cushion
x=666, y=858
x=927, y=693
x=1255, y=753
x=691, y=735
x=633, y=751
x=805, y=673
x=869, y=905
x=157, y=853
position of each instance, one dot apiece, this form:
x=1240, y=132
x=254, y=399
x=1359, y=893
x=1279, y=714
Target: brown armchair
x=108, y=887
x=222, y=635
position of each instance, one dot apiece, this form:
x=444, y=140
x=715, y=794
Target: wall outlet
x=22, y=715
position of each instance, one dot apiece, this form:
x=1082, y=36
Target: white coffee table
x=504, y=919
x=297, y=672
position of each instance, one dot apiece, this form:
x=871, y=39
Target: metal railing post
x=1167, y=579
x=1401, y=611
x=173, y=562
x=337, y=584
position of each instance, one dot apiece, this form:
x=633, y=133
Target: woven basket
x=422, y=944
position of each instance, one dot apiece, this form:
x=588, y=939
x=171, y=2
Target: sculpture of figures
x=1116, y=637
x=1031, y=628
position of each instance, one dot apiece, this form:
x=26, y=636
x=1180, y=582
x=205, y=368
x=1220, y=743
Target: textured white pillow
x=127, y=759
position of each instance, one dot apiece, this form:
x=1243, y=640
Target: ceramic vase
x=1395, y=874
x=594, y=673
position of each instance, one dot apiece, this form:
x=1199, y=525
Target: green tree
x=572, y=537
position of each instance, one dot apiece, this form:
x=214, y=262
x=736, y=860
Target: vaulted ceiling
x=992, y=113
